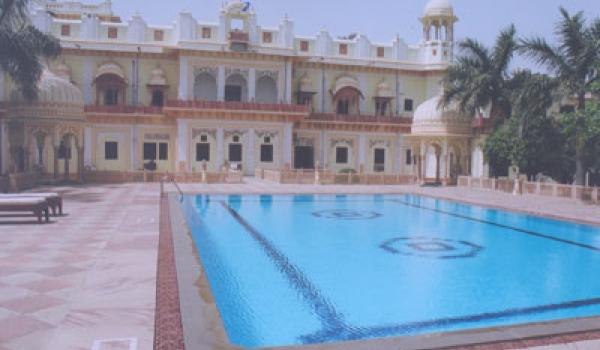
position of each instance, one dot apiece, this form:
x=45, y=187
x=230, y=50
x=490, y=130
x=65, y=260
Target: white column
x=87, y=82
x=287, y=144
x=362, y=84
x=87, y=147
x=221, y=84
x=324, y=149
x=252, y=85
x=250, y=153
x=184, y=66
x=362, y=149
x=182, y=143
x=132, y=164
x=398, y=160
x=134, y=147
x=288, y=82
x=3, y=148
x=220, y=145
x=2, y=97
x=444, y=160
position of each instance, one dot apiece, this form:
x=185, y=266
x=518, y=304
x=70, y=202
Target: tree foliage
x=480, y=78
x=22, y=46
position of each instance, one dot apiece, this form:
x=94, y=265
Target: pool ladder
x=168, y=178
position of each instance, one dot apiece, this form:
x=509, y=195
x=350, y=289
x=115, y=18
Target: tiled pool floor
x=89, y=278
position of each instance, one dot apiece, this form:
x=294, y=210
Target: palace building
x=128, y=96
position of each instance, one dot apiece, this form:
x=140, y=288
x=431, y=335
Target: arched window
x=205, y=87
x=347, y=101
x=110, y=90
x=266, y=90
x=236, y=88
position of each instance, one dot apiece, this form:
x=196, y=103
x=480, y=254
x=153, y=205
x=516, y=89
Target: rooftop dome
x=439, y=8
x=431, y=119
x=57, y=98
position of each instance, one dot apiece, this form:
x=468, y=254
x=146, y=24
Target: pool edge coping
x=194, y=307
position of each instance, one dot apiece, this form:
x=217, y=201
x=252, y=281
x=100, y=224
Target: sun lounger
x=54, y=200
x=38, y=206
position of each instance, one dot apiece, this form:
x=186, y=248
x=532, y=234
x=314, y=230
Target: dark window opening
x=149, y=151
x=163, y=151
x=111, y=97
x=379, y=156
x=235, y=153
x=111, y=150
x=266, y=153
x=341, y=155
x=343, y=107
x=408, y=105
x=64, y=152
x=233, y=93
x=381, y=107
x=202, y=152
x=203, y=138
x=158, y=98
x=408, y=157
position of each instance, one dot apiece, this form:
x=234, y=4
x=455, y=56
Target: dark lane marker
x=330, y=318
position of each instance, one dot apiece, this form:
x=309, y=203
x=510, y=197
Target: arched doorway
x=432, y=163
x=266, y=90
x=68, y=160
x=110, y=90
x=205, y=87
x=236, y=88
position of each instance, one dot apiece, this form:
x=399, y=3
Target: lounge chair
x=54, y=200
x=39, y=206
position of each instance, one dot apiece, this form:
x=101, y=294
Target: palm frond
x=505, y=48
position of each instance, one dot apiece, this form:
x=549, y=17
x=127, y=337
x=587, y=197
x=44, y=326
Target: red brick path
x=168, y=330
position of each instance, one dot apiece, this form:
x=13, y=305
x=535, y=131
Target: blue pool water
x=290, y=270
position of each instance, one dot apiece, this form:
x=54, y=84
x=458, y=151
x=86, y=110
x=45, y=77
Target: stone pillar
x=134, y=148
x=4, y=156
x=80, y=161
x=422, y=161
x=287, y=145
x=398, y=159
x=288, y=82
x=250, y=154
x=87, y=80
x=184, y=66
x=324, y=149
x=87, y=147
x=2, y=92
x=252, y=85
x=362, y=148
x=56, y=172
x=443, y=164
x=221, y=84
x=182, y=143
x=220, y=145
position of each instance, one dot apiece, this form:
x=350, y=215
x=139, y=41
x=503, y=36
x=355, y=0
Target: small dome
x=63, y=71
x=110, y=68
x=158, y=77
x=57, y=98
x=384, y=90
x=439, y=8
x=431, y=119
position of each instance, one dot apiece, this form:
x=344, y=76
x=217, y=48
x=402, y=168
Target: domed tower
x=438, y=32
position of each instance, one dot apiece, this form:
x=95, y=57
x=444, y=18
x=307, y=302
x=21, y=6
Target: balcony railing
x=239, y=36
x=348, y=118
x=123, y=109
x=238, y=106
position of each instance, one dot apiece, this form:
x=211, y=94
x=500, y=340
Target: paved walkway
x=88, y=279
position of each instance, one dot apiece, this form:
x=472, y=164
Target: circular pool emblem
x=431, y=247
x=346, y=214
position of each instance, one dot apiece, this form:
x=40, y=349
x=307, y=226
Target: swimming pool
x=306, y=269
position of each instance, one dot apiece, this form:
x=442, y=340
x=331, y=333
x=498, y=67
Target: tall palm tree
x=22, y=46
x=480, y=77
x=575, y=62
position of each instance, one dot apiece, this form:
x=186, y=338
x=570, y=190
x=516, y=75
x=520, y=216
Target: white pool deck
x=87, y=280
